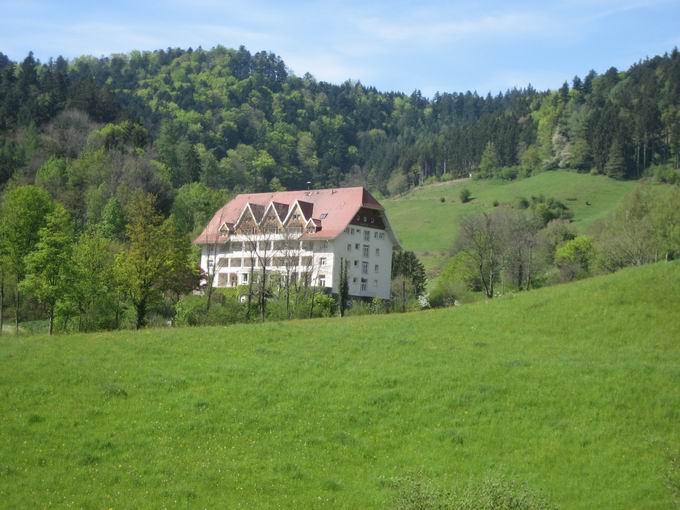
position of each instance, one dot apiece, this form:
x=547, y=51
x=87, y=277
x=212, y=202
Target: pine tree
x=616, y=163
x=489, y=162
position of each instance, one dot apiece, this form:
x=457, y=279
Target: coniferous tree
x=616, y=163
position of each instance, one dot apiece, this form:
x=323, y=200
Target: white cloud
x=437, y=32
x=327, y=68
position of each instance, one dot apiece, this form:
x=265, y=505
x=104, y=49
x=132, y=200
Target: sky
x=431, y=46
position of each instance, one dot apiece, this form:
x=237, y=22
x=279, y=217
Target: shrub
x=496, y=203
x=509, y=173
x=574, y=258
x=442, y=200
x=465, y=195
x=522, y=203
x=665, y=174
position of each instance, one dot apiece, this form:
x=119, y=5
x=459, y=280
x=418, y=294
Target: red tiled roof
x=339, y=206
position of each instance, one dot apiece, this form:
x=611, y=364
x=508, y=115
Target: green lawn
x=429, y=227
x=573, y=389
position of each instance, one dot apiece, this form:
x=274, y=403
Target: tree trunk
x=403, y=294
x=250, y=290
x=16, y=308
x=140, y=309
x=51, y=321
x=2, y=302
x=263, y=287
x=311, y=307
x=288, y=296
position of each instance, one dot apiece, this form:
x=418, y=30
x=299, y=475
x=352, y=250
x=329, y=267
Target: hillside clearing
x=429, y=227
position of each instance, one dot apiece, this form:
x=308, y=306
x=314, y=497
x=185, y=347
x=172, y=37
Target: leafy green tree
x=574, y=258
x=95, y=297
x=48, y=275
x=112, y=224
x=194, y=205
x=153, y=261
x=23, y=211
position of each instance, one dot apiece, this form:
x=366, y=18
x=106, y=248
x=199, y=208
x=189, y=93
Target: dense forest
x=108, y=165
x=237, y=121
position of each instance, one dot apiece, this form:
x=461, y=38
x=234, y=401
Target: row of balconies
x=273, y=262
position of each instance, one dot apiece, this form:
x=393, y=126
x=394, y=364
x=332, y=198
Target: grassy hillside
x=427, y=226
x=573, y=389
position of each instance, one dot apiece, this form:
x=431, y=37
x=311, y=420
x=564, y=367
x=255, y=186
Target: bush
x=509, y=173
x=442, y=200
x=192, y=310
x=665, y=174
x=496, y=203
x=574, y=258
x=465, y=195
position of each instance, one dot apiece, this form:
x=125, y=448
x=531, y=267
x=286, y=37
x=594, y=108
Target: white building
x=306, y=235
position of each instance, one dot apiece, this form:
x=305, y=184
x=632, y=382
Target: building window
x=382, y=235
x=377, y=268
x=375, y=235
x=211, y=264
x=322, y=280
x=356, y=246
x=377, y=252
x=364, y=268
x=356, y=262
x=323, y=216
x=244, y=277
x=322, y=261
x=363, y=284
x=375, y=283
x=349, y=246
x=367, y=235
x=351, y=231
x=365, y=250
x=354, y=280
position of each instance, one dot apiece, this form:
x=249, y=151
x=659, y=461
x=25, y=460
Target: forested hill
x=239, y=121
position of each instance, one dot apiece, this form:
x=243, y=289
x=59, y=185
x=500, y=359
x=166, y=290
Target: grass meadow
x=572, y=389
x=429, y=227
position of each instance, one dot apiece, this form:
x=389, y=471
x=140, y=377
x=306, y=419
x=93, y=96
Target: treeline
x=231, y=119
x=532, y=243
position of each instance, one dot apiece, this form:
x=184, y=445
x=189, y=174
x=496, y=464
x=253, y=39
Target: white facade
x=368, y=252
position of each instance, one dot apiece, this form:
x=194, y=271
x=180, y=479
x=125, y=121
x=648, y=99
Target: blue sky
x=394, y=45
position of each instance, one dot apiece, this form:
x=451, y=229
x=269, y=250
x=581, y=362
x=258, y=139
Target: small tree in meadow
x=47, y=266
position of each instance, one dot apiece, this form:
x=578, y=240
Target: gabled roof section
x=281, y=210
x=247, y=210
x=331, y=209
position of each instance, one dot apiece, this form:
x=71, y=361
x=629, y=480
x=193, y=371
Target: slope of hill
x=572, y=389
x=429, y=226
